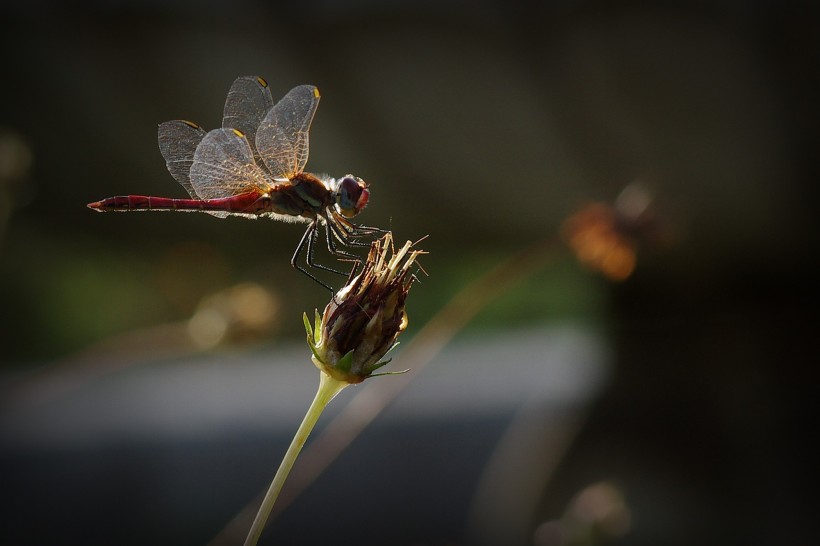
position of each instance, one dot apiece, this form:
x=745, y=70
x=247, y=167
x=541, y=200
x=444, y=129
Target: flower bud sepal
x=342, y=369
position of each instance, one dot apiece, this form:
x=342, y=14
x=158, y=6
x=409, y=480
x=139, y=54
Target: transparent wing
x=178, y=140
x=223, y=166
x=282, y=137
x=248, y=102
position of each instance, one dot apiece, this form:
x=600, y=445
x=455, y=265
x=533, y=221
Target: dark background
x=484, y=125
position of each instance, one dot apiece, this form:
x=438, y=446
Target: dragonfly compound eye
x=352, y=196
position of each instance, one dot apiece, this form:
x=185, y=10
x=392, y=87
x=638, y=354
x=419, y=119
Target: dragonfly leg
x=336, y=233
x=345, y=233
x=360, y=230
x=354, y=233
x=340, y=236
x=339, y=233
x=306, y=243
x=311, y=249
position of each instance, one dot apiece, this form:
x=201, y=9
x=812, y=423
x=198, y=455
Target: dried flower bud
x=362, y=321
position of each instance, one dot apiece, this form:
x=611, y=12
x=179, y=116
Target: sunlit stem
x=328, y=388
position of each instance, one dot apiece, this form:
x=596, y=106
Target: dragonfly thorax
x=351, y=195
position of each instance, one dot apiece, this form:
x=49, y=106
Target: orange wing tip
x=316, y=92
x=96, y=205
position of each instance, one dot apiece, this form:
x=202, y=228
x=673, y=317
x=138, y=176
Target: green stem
x=328, y=388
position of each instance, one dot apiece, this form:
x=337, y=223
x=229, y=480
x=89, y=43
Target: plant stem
x=328, y=388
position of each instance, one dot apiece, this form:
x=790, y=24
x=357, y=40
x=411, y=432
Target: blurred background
x=640, y=371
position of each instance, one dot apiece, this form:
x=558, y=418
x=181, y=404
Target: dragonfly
x=253, y=167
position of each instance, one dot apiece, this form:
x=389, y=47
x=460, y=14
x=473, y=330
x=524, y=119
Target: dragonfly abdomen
x=236, y=204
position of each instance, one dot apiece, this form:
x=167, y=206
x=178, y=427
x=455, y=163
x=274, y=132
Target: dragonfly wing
x=178, y=141
x=282, y=137
x=223, y=166
x=248, y=102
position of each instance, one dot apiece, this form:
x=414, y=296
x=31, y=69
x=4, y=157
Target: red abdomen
x=237, y=204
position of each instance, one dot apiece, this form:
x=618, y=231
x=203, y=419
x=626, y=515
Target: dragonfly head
x=351, y=195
